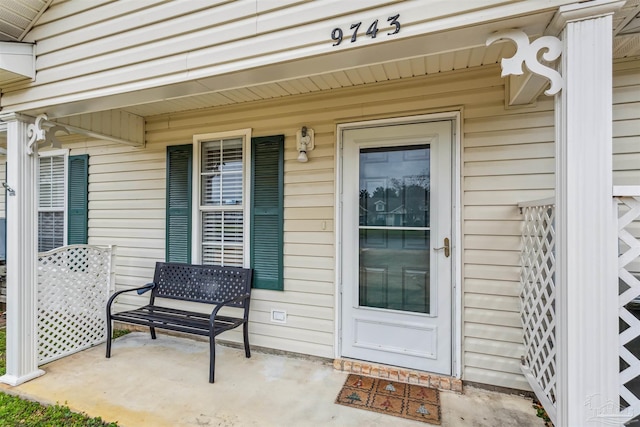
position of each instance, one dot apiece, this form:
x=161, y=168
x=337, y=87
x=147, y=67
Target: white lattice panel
x=74, y=283
x=538, y=293
x=629, y=290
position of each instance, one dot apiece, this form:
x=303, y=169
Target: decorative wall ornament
x=527, y=53
x=39, y=135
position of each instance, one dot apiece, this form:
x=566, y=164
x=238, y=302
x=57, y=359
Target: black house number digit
x=337, y=34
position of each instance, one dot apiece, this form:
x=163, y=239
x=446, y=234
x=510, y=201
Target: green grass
x=3, y=351
x=16, y=412
x=117, y=333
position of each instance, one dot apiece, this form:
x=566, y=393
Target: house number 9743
x=337, y=34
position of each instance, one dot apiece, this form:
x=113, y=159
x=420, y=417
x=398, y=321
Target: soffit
x=18, y=16
x=393, y=70
x=626, y=30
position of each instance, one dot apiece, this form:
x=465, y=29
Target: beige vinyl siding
x=507, y=157
x=167, y=40
x=626, y=123
x=151, y=43
x=626, y=132
x=127, y=208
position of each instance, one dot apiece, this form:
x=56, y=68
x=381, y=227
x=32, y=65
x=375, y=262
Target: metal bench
x=210, y=284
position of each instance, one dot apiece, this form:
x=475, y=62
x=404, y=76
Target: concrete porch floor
x=165, y=383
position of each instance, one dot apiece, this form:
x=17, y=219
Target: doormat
x=403, y=400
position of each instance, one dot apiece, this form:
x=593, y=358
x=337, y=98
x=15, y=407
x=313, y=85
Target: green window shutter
x=78, y=200
x=178, y=241
x=267, y=182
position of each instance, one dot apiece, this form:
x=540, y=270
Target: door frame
x=456, y=226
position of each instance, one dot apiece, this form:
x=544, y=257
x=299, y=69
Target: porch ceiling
x=392, y=70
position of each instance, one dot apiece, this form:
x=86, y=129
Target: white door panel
x=396, y=211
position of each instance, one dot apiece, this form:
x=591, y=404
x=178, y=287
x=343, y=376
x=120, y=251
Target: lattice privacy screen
x=537, y=295
x=74, y=283
x=629, y=289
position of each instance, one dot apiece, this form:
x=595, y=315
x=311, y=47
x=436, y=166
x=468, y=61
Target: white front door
x=396, y=234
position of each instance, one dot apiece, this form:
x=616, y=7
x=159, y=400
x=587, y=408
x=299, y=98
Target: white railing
x=628, y=199
x=537, y=296
x=74, y=283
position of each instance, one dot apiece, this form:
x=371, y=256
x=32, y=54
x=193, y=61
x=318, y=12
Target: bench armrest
x=140, y=291
x=235, y=300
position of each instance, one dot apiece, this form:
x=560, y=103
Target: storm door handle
x=447, y=249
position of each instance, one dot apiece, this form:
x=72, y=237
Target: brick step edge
x=402, y=375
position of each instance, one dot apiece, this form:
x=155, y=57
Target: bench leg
x=212, y=358
x=108, y=338
x=153, y=332
x=245, y=333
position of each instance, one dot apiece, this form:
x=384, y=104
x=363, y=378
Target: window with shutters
x=225, y=204
x=62, y=199
x=221, y=198
x=52, y=191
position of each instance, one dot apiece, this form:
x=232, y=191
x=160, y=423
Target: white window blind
x=51, y=202
x=221, y=202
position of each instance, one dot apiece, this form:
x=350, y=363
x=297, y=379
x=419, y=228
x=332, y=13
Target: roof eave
x=17, y=61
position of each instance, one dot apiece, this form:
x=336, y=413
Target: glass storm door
x=396, y=232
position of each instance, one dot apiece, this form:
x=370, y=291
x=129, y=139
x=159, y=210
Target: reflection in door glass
x=394, y=228
x=394, y=186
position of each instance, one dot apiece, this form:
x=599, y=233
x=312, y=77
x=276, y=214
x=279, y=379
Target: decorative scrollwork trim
x=527, y=53
x=36, y=133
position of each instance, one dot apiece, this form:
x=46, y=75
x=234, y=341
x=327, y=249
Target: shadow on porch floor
x=165, y=383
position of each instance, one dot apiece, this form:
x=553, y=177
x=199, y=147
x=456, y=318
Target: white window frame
x=196, y=219
x=54, y=153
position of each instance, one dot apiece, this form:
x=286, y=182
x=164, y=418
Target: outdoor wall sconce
x=304, y=139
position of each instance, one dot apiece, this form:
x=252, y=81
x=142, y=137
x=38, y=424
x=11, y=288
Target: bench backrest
x=211, y=284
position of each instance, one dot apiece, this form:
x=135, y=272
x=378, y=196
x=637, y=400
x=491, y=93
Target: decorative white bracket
x=38, y=134
x=527, y=53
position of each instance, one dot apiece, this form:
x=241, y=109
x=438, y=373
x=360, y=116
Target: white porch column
x=22, y=226
x=587, y=314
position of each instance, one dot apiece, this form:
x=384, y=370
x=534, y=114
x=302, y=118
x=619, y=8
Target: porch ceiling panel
x=393, y=70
